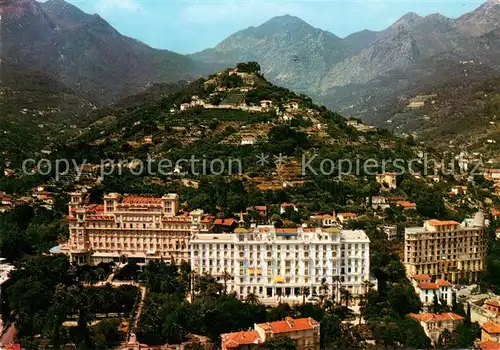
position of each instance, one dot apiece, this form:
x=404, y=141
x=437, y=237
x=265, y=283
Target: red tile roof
x=289, y=325
x=257, y=207
x=325, y=216
x=347, y=214
x=284, y=205
x=289, y=230
x=491, y=327
x=225, y=222
x=140, y=200
x=488, y=345
x=421, y=277
x=428, y=285
x=235, y=339
x=430, y=317
x=443, y=283
x=495, y=303
x=406, y=204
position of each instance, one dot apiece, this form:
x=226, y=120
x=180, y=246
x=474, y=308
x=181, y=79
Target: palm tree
x=226, y=276
x=336, y=280
x=252, y=299
x=323, y=290
x=367, y=286
x=345, y=296
x=304, y=291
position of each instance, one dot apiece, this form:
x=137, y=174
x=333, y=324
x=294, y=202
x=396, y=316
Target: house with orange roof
x=495, y=213
x=346, y=217
x=305, y=332
x=426, y=290
x=488, y=345
x=225, y=224
x=493, y=306
x=435, y=324
x=490, y=331
x=324, y=220
x=406, y=205
x=245, y=340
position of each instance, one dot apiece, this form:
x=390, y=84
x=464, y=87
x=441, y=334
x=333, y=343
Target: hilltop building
x=305, y=332
x=138, y=227
x=446, y=249
x=275, y=263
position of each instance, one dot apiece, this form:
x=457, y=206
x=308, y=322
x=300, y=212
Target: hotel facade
x=281, y=263
x=131, y=227
x=447, y=250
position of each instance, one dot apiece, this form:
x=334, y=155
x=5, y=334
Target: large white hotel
x=271, y=262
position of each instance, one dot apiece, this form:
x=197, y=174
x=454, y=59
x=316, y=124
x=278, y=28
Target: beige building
x=305, y=332
x=446, y=249
x=127, y=226
x=435, y=324
x=387, y=179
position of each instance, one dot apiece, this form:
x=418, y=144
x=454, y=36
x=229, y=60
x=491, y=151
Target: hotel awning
x=279, y=279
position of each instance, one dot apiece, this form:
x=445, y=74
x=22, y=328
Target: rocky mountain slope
x=367, y=65
x=85, y=53
x=37, y=112
x=292, y=53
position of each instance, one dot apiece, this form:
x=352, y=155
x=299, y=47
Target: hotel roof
x=435, y=222
x=140, y=200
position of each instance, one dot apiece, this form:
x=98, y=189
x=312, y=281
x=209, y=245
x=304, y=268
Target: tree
x=279, y=342
x=304, y=291
x=345, y=295
x=226, y=276
x=323, y=290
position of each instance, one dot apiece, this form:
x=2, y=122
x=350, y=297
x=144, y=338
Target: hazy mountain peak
x=282, y=23
x=409, y=19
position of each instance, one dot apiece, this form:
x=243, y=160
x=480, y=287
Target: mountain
x=482, y=20
x=367, y=73
x=291, y=52
x=37, y=112
x=85, y=53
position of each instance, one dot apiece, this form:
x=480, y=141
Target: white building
x=426, y=289
x=272, y=262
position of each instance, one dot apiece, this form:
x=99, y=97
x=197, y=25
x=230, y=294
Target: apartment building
x=446, y=249
x=131, y=227
x=305, y=332
x=280, y=263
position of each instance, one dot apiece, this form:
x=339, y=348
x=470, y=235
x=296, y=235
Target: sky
x=188, y=26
